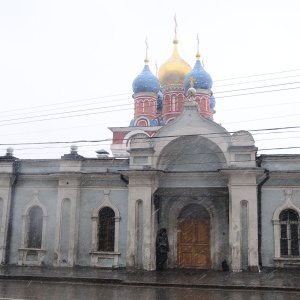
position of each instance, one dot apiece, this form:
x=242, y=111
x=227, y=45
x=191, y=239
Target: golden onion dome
x=174, y=70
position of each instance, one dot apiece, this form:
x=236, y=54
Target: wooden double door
x=193, y=247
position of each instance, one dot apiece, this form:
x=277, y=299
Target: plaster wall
x=90, y=199
x=193, y=180
x=284, y=164
x=39, y=166
x=23, y=196
x=272, y=198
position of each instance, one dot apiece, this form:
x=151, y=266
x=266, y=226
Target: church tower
x=171, y=77
x=158, y=101
x=145, y=94
x=201, y=81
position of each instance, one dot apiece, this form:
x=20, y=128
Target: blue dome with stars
x=146, y=81
x=198, y=78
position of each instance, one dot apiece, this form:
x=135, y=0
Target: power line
x=261, y=119
x=58, y=145
x=201, y=153
x=252, y=81
x=262, y=74
x=104, y=107
x=259, y=87
x=258, y=106
x=123, y=94
x=225, y=134
x=232, y=109
x=62, y=113
x=80, y=115
x=259, y=92
x=92, y=113
x=67, y=107
x=72, y=101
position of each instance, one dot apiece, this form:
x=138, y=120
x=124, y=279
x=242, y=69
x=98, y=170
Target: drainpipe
x=259, y=193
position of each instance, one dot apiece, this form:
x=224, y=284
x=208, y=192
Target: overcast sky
x=67, y=66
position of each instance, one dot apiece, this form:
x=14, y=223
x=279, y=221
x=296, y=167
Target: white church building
x=172, y=168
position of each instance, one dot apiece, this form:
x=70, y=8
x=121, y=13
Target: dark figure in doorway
x=162, y=248
x=225, y=266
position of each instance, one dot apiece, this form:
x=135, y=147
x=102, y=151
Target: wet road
x=51, y=290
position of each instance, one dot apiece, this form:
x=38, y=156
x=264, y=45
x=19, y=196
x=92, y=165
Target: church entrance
x=193, y=249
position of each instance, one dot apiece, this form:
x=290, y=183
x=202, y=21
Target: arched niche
x=98, y=258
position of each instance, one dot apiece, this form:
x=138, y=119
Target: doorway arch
x=173, y=216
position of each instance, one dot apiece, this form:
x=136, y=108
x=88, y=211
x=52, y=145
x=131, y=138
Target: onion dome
x=146, y=81
x=174, y=70
x=212, y=102
x=198, y=78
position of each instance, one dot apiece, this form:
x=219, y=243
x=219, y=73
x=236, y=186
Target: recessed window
x=106, y=229
x=35, y=227
x=289, y=233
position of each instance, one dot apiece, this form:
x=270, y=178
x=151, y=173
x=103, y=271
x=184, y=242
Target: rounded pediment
x=242, y=138
x=139, y=141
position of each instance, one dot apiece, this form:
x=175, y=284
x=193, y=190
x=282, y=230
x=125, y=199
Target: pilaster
x=243, y=187
x=7, y=179
x=68, y=188
x=141, y=189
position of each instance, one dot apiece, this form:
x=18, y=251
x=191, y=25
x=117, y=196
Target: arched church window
x=289, y=233
x=142, y=123
x=173, y=104
x=106, y=229
x=35, y=227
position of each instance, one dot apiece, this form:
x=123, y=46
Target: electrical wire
x=211, y=135
x=262, y=74
x=259, y=87
x=214, y=162
x=123, y=94
x=104, y=107
x=252, y=81
x=92, y=113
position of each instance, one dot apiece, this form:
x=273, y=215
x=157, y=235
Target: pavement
x=266, y=279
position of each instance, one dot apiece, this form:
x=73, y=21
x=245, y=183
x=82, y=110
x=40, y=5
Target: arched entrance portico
x=193, y=240
x=210, y=207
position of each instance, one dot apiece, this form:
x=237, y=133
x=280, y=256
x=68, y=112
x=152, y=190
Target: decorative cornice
x=242, y=148
x=243, y=171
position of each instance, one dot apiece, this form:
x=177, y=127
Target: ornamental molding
x=35, y=202
x=288, y=204
x=242, y=138
x=106, y=203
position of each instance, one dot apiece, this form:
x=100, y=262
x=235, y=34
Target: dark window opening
x=35, y=227
x=289, y=237
x=106, y=230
